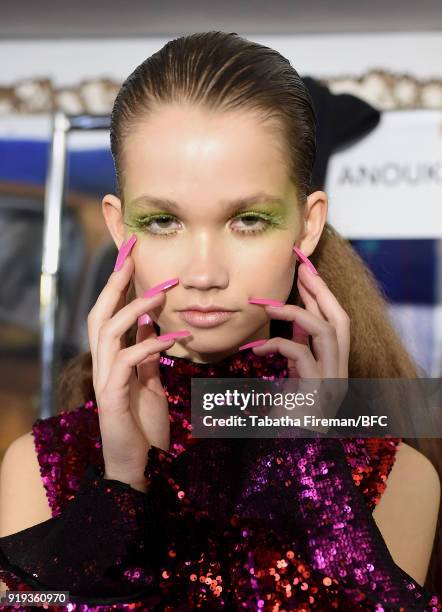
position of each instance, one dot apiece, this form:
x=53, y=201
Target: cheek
x=151, y=268
x=138, y=284
x=270, y=276
x=142, y=280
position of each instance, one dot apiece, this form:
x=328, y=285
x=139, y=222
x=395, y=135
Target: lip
x=211, y=308
x=211, y=318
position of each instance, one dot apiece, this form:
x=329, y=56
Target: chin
x=210, y=347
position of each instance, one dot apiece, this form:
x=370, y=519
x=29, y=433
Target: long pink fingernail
x=144, y=319
x=124, y=251
x=172, y=335
x=164, y=285
x=269, y=302
x=250, y=344
x=305, y=260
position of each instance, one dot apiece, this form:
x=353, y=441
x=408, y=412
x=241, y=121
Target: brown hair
x=222, y=71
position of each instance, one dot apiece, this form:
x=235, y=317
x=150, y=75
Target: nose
x=205, y=265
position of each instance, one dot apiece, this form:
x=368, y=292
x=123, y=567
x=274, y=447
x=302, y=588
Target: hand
x=132, y=405
x=329, y=325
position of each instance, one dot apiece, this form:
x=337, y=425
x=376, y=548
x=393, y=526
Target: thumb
x=148, y=370
x=300, y=336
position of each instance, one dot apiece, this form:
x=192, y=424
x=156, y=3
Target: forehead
x=183, y=151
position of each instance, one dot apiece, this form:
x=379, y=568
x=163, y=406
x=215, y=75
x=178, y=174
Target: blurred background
x=375, y=76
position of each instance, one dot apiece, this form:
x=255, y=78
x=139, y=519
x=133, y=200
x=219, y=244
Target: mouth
x=205, y=318
x=209, y=308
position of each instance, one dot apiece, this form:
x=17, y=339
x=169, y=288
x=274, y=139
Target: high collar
x=176, y=374
x=241, y=364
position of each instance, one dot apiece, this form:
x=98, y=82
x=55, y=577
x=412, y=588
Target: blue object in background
x=89, y=171
x=406, y=269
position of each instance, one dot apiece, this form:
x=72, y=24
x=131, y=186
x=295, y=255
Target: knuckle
x=105, y=329
x=123, y=356
x=305, y=349
x=101, y=396
x=329, y=330
x=90, y=317
x=342, y=316
x=112, y=280
x=345, y=319
x=139, y=304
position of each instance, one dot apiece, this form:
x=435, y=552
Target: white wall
x=69, y=61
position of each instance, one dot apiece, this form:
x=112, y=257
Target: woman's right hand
x=133, y=411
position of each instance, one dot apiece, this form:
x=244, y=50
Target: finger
x=109, y=345
x=127, y=359
x=133, y=384
x=300, y=354
x=148, y=370
x=326, y=301
x=328, y=307
x=310, y=378
x=112, y=297
x=323, y=334
x=309, y=299
x=300, y=336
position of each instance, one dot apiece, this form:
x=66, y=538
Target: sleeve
x=102, y=545
x=302, y=492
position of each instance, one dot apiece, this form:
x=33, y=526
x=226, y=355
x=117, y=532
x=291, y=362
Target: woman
x=213, y=139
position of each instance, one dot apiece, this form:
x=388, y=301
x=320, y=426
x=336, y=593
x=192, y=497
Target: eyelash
x=144, y=223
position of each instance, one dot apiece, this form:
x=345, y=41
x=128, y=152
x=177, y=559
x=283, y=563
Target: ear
x=315, y=216
x=111, y=207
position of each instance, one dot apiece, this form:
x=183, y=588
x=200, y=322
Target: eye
x=161, y=221
x=258, y=223
x=247, y=223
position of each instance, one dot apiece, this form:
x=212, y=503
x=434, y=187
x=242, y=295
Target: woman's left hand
x=325, y=320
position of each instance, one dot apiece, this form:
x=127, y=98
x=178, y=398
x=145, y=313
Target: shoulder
x=82, y=418
x=19, y=456
x=407, y=512
x=20, y=449
x=23, y=500
x=65, y=444
x=409, y=457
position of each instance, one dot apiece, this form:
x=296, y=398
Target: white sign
x=389, y=183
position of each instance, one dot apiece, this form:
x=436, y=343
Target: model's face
x=204, y=162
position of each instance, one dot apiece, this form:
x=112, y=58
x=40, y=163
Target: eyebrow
x=238, y=204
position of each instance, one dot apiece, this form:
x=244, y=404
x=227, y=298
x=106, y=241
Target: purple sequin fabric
x=227, y=524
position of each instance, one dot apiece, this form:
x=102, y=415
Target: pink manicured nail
x=269, y=302
x=144, y=319
x=165, y=285
x=124, y=251
x=305, y=260
x=250, y=344
x=172, y=335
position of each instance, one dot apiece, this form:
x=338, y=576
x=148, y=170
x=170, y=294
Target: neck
x=178, y=351
x=201, y=358
x=240, y=364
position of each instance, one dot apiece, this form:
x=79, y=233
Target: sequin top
x=227, y=524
